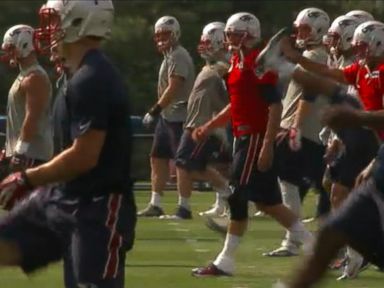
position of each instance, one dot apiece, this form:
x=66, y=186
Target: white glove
x=294, y=139
x=148, y=120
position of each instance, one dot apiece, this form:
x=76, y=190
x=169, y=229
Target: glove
x=148, y=120
x=294, y=139
x=13, y=189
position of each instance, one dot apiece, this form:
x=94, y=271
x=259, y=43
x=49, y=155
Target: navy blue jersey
x=94, y=98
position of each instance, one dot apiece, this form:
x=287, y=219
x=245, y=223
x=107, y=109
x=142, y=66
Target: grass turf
x=167, y=250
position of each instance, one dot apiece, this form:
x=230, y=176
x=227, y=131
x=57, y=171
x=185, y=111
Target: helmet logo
x=368, y=28
x=170, y=22
x=212, y=31
x=346, y=22
x=246, y=18
x=313, y=14
x=15, y=32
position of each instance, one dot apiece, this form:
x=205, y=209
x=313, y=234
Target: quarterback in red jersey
x=255, y=110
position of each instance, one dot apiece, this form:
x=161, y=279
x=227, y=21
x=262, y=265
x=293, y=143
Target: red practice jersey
x=369, y=85
x=249, y=109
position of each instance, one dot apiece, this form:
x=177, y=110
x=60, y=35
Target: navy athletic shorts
x=193, y=156
x=259, y=187
x=97, y=232
x=166, y=139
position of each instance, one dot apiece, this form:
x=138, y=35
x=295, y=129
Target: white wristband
x=21, y=147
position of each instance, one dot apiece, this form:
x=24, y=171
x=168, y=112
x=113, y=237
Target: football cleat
x=215, y=211
x=151, y=211
x=283, y=252
x=215, y=226
x=181, y=214
x=209, y=271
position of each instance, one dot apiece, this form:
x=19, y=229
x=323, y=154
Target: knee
x=238, y=205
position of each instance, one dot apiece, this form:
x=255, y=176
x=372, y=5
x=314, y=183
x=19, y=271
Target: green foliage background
x=131, y=46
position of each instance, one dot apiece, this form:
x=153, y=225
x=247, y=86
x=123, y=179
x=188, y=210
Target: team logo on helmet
x=212, y=31
x=246, y=18
x=346, y=22
x=170, y=22
x=314, y=14
x=369, y=28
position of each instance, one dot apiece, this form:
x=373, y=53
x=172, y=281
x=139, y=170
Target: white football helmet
x=361, y=15
x=340, y=34
x=247, y=26
x=212, y=40
x=17, y=43
x=368, y=40
x=167, y=33
x=69, y=21
x=317, y=22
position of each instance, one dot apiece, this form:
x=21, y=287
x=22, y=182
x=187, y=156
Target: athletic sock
x=184, y=202
x=155, y=199
x=225, y=259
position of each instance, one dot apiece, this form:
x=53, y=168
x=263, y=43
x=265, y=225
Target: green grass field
x=166, y=251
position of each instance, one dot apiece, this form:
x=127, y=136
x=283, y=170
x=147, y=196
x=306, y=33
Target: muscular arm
x=220, y=119
x=81, y=157
x=273, y=126
x=36, y=90
x=372, y=119
x=321, y=69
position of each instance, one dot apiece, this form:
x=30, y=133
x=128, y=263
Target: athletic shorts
x=361, y=147
x=98, y=232
x=294, y=166
x=166, y=139
x=259, y=187
x=361, y=220
x=193, y=156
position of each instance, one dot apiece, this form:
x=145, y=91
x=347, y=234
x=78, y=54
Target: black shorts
x=294, y=166
x=361, y=147
x=98, y=231
x=259, y=187
x=194, y=156
x=361, y=220
x=166, y=139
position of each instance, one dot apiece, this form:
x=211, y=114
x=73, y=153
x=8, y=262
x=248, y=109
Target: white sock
x=184, y=202
x=225, y=260
x=298, y=233
x=155, y=199
x=220, y=202
x=291, y=196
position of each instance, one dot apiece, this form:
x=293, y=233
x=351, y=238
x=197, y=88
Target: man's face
x=163, y=40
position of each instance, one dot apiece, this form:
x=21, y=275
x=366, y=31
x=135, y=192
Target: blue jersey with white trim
x=95, y=99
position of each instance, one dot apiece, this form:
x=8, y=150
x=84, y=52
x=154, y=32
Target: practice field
x=166, y=251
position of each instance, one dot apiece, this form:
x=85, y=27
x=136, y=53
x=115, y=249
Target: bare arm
x=273, y=126
x=317, y=68
x=36, y=90
x=220, y=119
x=81, y=157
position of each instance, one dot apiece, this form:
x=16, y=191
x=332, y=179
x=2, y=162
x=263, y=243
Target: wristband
x=21, y=147
x=155, y=110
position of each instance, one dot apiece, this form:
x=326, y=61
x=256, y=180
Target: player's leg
x=357, y=223
x=290, y=177
x=35, y=232
x=159, y=160
x=243, y=168
x=111, y=221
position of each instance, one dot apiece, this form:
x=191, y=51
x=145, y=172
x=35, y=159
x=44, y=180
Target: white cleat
x=216, y=211
x=354, y=265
